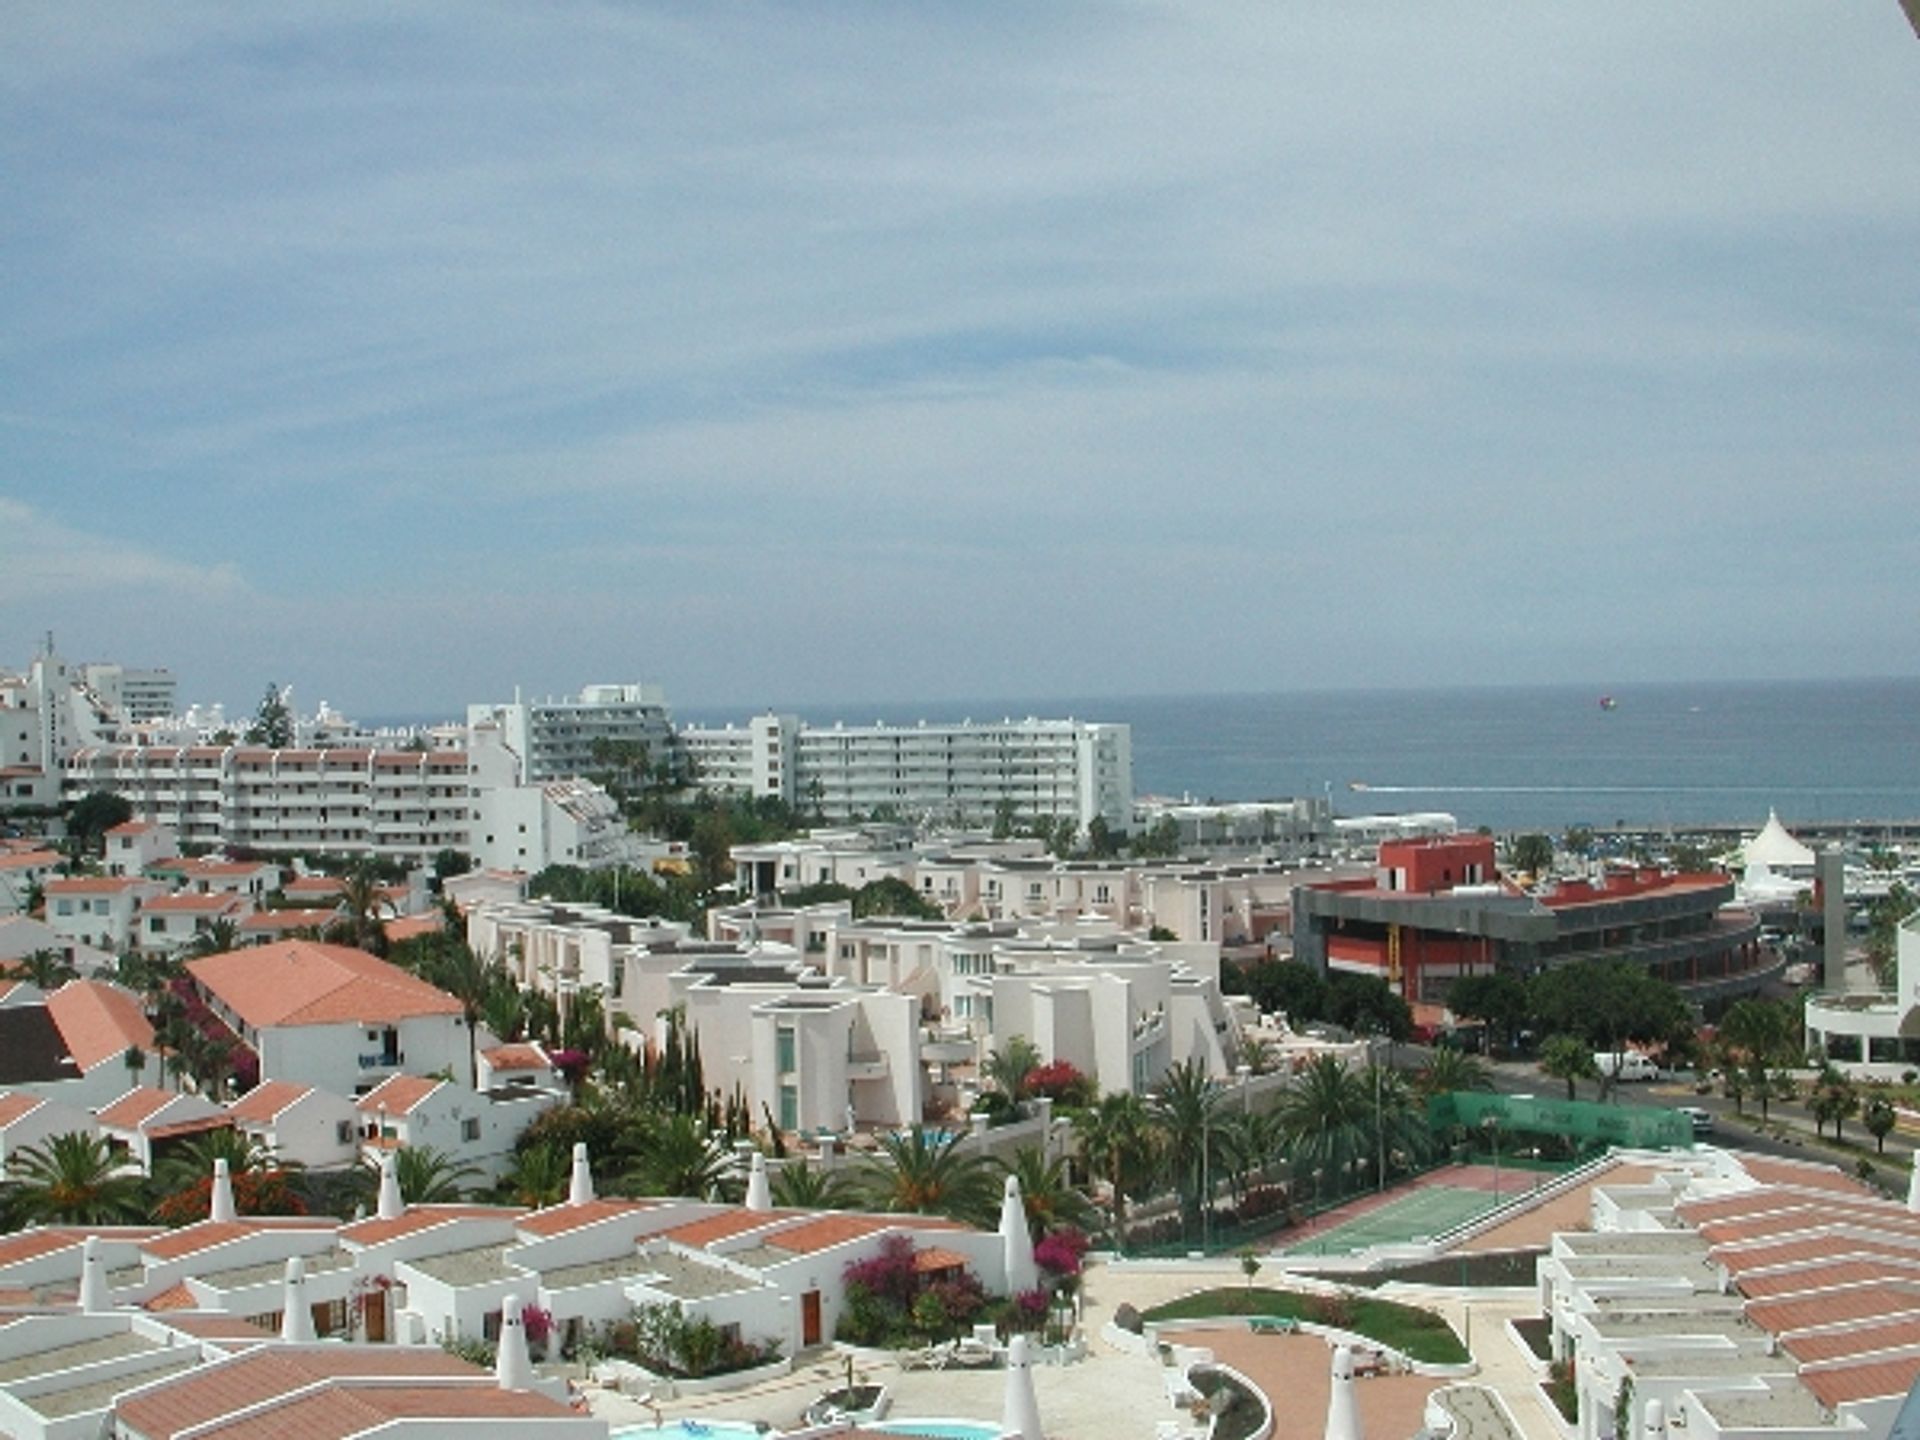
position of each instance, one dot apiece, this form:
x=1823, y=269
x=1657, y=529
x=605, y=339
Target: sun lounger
x=1272, y=1325
x=974, y=1353
x=933, y=1357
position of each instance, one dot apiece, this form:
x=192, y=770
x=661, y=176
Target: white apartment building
x=554, y=739
x=403, y=804
x=400, y=804
x=133, y=694
x=953, y=773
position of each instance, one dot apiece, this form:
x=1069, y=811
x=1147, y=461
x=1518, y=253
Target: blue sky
x=809, y=353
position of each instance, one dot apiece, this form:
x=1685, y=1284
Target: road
x=1789, y=1134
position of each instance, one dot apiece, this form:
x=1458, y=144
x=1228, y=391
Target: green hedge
x=1417, y=1334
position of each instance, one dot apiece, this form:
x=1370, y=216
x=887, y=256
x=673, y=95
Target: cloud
x=44, y=563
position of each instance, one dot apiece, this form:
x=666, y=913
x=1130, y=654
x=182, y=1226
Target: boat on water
x=1607, y=702
x=1358, y=785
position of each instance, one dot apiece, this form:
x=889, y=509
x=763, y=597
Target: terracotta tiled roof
x=274, y=922
x=205, y=1234
x=422, y=1217
x=32, y=1244
x=1868, y=1380
x=94, y=885
x=132, y=827
x=29, y=859
x=263, y=1103
x=1770, y=1171
x=1830, y=1245
x=397, y=1094
x=725, y=1225
x=100, y=1022
x=830, y=1230
x=301, y=982
x=209, y=1392
x=314, y=885
x=1823, y=1277
x=1834, y=1307
x=341, y=1410
x=516, y=1057
x=16, y=1106
x=175, y=1297
x=1900, y=1332
x=136, y=1107
x=408, y=927
x=559, y=1219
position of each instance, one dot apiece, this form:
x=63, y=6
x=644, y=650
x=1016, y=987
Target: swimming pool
x=692, y=1430
x=939, y=1429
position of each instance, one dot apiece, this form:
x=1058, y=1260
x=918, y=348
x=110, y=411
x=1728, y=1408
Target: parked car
x=1701, y=1120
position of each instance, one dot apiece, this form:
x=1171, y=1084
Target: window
x=783, y=1050
x=469, y=1130
x=789, y=1108
x=343, y=1132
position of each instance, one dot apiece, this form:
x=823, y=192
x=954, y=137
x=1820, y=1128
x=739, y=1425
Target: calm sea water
x=1522, y=758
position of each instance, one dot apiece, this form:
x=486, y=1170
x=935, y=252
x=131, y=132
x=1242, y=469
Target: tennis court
x=1420, y=1213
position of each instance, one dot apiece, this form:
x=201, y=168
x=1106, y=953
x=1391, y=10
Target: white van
x=1630, y=1066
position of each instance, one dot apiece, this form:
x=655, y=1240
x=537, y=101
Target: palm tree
x=46, y=969
x=190, y=1162
x=1449, y=1070
x=365, y=908
x=681, y=1158
x=801, y=1186
x=1009, y=1068
x=77, y=1179
x=1185, y=1110
x=540, y=1176
x=450, y=963
x=1117, y=1138
x=922, y=1173
x=217, y=937
x=1248, y=1141
x=1051, y=1201
x=1327, y=1116
x=427, y=1176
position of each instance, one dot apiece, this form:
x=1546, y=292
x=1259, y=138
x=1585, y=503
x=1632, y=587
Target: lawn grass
x=1417, y=1334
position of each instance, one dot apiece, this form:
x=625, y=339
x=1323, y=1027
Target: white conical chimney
x=391, y=1206
x=513, y=1366
x=1913, y=1190
x=1656, y=1424
x=94, y=1296
x=222, y=1206
x=580, y=1188
x=1016, y=1241
x=1343, y=1409
x=1020, y=1413
x=296, y=1317
x=759, y=1192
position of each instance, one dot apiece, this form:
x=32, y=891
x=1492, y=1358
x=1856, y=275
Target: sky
x=798, y=354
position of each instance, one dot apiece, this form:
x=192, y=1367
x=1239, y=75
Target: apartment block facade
x=962, y=773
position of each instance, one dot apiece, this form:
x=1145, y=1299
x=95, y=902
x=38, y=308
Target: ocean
x=1522, y=758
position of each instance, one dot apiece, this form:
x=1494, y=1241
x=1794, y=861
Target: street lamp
x=1491, y=1124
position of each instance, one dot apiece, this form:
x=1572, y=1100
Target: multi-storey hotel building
x=964, y=773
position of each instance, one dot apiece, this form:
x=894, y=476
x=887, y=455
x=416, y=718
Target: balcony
x=868, y=1067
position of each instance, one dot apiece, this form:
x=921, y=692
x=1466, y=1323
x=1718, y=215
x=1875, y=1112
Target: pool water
x=692, y=1430
x=939, y=1429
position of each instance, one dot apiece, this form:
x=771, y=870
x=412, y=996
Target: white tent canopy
x=1776, y=850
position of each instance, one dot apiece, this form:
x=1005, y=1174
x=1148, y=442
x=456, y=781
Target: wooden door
x=810, y=1318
